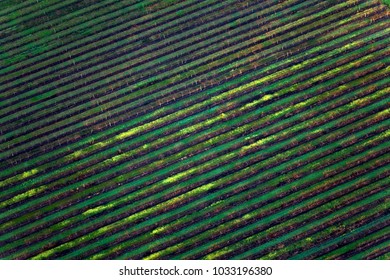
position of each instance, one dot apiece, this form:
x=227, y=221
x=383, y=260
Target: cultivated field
x=196, y=129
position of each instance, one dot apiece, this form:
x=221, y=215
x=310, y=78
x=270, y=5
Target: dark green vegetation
x=194, y=129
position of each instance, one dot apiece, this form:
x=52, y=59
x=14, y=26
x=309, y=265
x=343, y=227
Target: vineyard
x=196, y=129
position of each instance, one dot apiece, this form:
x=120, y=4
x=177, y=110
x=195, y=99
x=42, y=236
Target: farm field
x=196, y=129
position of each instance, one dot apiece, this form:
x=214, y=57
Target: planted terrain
x=151, y=129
